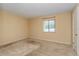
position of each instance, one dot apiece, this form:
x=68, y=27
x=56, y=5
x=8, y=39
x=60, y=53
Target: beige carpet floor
x=52, y=49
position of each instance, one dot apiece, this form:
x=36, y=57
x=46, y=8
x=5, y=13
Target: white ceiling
x=37, y=9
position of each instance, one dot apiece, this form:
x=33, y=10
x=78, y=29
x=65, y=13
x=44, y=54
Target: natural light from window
x=49, y=26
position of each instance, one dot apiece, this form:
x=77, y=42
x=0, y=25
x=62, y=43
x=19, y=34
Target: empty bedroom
x=38, y=29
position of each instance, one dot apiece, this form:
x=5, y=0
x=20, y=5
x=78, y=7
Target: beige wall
x=0, y=25
x=63, y=29
x=13, y=28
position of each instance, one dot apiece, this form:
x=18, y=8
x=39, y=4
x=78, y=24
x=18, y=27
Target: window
x=49, y=26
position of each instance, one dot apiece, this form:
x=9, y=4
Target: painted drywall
x=13, y=28
x=16, y=28
x=0, y=25
x=63, y=29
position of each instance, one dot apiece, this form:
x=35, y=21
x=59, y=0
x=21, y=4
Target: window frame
x=49, y=19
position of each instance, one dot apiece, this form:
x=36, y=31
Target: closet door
x=78, y=30
x=74, y=30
